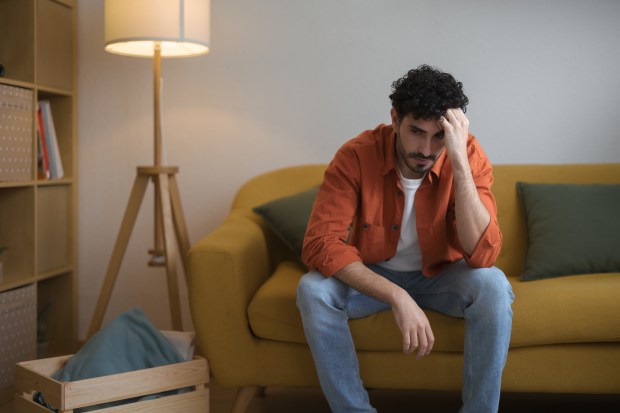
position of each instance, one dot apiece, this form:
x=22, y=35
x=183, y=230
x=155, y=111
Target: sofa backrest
x=290, y=180
x=277, y=184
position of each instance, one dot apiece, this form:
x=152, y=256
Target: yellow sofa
x=242, y=281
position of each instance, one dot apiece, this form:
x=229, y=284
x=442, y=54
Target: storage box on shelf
x=37, y=215
x=16, y=133
x=18, y=313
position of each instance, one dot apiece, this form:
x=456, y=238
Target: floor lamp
x=154, y=28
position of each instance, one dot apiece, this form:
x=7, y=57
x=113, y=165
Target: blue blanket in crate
x=129, y=342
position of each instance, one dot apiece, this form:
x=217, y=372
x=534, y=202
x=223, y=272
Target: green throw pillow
x=288, y=217
x=572, y=229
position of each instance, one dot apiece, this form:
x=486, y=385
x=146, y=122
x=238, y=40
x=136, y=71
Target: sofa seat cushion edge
x=575, y=309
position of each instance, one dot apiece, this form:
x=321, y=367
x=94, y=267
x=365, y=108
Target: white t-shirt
x=408, y=255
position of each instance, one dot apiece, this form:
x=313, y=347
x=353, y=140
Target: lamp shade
x=135, y=27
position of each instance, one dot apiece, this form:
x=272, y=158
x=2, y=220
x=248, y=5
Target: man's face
x=418, y=144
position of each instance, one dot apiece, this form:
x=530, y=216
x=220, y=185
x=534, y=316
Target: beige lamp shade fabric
x=134, y=27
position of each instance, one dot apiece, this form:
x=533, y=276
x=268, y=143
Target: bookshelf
x=38, y=216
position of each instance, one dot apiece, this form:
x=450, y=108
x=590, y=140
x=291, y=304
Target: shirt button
x=365, y=226
x=395, y=227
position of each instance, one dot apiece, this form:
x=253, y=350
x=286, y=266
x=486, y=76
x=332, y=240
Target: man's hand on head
x=456, y=130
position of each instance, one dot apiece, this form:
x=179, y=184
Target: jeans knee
x=315, y=290
x=502, y=288
x=493, y=284
x=304, y=290
x=309, y=290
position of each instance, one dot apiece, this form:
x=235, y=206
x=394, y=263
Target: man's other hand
x=414, y=326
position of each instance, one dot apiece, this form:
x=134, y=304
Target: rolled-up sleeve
x=326, y=247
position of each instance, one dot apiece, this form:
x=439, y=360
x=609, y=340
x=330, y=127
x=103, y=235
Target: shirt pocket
x=372, y=243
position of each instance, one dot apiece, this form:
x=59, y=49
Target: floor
x=303, y=400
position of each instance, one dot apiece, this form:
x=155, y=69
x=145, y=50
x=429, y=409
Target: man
x=405, y=220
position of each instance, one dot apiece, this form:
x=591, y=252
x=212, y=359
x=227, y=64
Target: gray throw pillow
x=572, y=229
x=288, y=217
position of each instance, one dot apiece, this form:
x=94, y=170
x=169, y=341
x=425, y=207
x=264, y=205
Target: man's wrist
x=397, y=296
x=460, y=165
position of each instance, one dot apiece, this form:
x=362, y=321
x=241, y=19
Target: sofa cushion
x=274, y=315
x=572, y=229
x=288, y=217
x=578, y=309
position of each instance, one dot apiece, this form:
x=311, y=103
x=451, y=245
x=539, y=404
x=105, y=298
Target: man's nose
x=425, y=147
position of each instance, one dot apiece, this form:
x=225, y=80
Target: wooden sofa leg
x=244, y=398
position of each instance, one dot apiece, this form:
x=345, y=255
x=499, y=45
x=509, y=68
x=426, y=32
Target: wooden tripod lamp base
x=169, y=220
x=143, y=30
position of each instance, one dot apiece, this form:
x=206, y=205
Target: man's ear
x=395, y=120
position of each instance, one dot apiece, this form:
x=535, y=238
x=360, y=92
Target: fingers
x=442, y=122
x=423, y=345
x=455, y=117
x=430, y=341
x=411, y=342
x=408, y=346
x=414, y=326
x=452, y=117
x=455, y=127
x=422, y=341
x=426, y=341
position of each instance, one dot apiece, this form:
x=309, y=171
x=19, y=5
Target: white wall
x=287, y=82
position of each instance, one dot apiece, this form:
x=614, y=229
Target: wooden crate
x=31, y=376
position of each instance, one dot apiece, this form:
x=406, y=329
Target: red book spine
x=46, y=160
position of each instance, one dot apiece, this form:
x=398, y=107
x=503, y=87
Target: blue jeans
x=482, y=296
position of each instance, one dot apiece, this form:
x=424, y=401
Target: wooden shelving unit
x=37, y=216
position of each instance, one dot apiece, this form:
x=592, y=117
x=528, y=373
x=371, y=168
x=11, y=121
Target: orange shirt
x=358, y=211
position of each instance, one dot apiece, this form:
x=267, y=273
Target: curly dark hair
x=427, y=93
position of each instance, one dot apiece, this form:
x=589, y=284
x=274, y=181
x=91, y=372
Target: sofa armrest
x=225, y=268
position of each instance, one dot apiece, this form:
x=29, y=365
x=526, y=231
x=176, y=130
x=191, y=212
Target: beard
x=415, y=162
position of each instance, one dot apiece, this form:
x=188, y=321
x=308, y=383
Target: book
x=51, y=140
x=43, y=154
